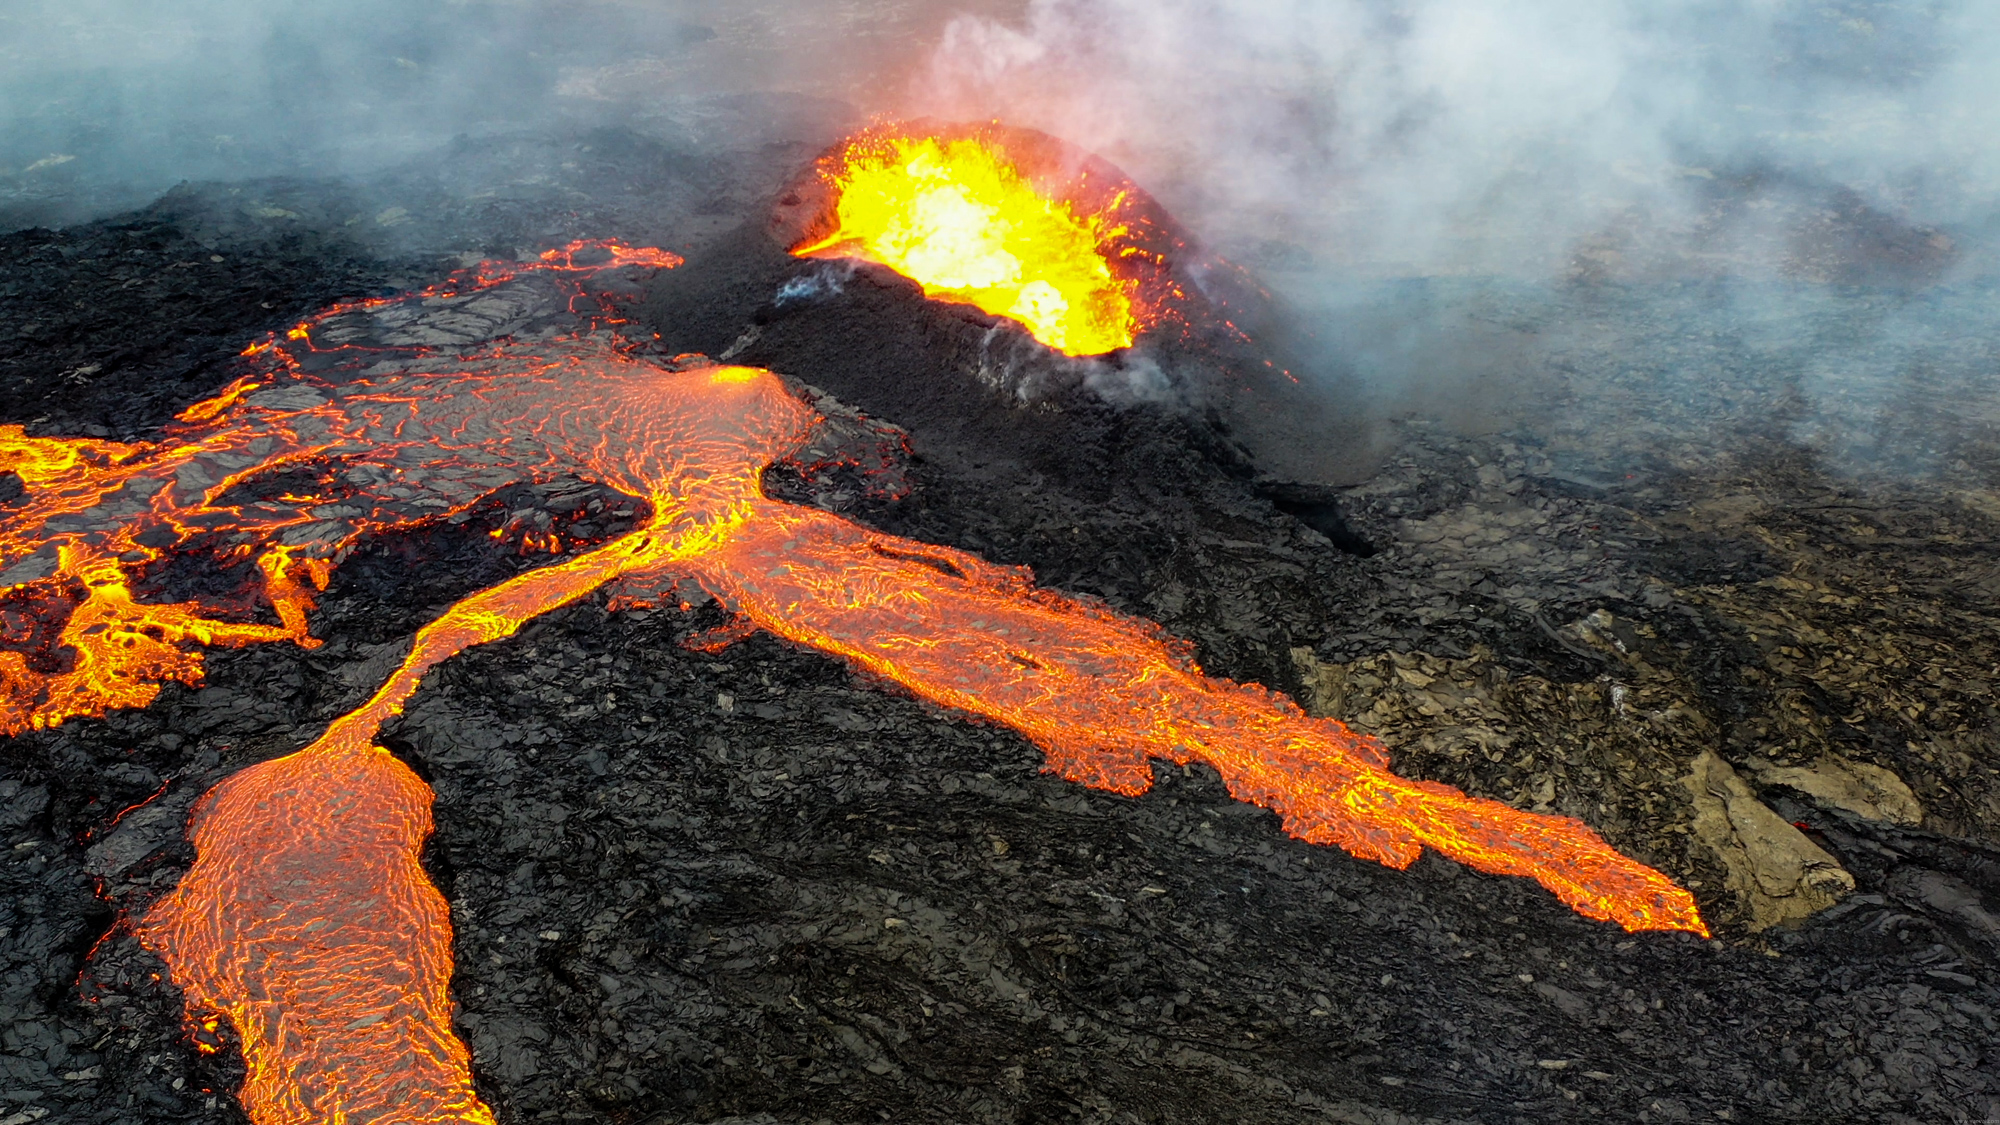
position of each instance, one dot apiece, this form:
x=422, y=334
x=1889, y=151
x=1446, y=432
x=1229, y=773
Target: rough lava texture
x=748, y=886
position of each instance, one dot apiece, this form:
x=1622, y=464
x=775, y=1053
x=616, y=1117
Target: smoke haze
x=1431, y=136
x=115, y=100
x=1769, y=187
x=1398, y=169
x=1391, y=136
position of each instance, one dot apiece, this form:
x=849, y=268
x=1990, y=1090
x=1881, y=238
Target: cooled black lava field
x=1733, y=603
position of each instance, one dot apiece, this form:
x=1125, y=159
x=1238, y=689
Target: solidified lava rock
x=751, y=885
x=1166, y=453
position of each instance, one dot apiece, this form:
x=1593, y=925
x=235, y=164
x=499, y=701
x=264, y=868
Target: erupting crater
x=307, y=920
x=1005, y=220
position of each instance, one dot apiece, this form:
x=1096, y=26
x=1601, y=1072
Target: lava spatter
x=307, y=920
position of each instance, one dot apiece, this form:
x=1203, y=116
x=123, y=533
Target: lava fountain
x=307, y=920
x=964, y=217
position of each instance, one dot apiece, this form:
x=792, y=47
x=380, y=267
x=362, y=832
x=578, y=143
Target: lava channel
x=307, y=920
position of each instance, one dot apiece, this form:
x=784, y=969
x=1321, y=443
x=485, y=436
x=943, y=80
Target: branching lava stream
x=307, y=920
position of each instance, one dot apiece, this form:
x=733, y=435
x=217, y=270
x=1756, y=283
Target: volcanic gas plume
x=307, y=920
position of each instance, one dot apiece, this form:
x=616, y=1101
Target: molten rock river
x=307, y=920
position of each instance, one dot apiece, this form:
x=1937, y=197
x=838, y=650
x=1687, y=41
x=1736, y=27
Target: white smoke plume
x=1437, y=136
x=126, y=97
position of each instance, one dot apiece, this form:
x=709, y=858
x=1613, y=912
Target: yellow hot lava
x=960, y=219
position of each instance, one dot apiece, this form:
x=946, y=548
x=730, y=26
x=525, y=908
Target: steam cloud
x=1427, y=136
x=1405, y=136
x=1808, y=188
x=215, y=87
x=1332, y=145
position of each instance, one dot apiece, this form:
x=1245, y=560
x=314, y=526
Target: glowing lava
x=307, y=920
x=96, y=513
x=958, y=217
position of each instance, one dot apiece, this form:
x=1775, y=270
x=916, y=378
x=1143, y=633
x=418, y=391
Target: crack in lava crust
x=307, y=919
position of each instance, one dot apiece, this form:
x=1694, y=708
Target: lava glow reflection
x=307, y=920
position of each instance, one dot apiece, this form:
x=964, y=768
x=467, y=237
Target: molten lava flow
x=1103, y=693
x=306, y=919
x=960, y=219
x=98, y=512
